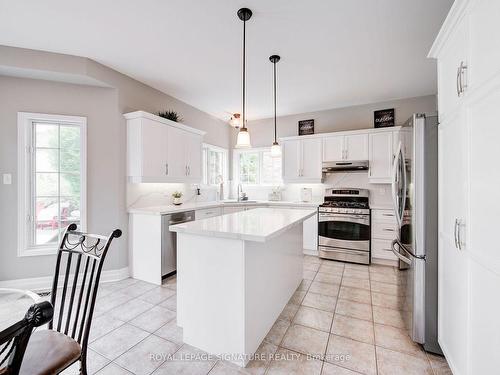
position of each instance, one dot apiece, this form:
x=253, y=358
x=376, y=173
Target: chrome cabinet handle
x=189, y=170
x=458, y=82
x=463, y=71
x=458, y=239
x=166, y=168
x=389, y=230
x=392, y=215
x=455, y=233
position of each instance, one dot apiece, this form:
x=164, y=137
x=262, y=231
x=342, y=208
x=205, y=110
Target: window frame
x=236, y=166
x=25, y=169
x=206, y=147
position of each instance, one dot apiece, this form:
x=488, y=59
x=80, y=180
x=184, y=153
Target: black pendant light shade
x=275, y=148
x=243, y=140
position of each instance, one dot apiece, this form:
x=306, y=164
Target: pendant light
x=243, y=140
x=275, y=148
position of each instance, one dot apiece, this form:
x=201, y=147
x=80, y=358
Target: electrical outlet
x=7, y=179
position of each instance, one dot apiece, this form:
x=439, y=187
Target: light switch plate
x=7, y=179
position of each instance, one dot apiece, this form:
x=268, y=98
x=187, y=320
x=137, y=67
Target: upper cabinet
x=345, y=147
x=160, y=150
x=381, y=157
x=301, y=160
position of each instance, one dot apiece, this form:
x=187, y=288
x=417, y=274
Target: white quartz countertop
x=259, y=224
x=168, y=209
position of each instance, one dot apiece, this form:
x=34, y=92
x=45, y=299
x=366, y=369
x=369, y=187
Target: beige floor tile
x=355, y=266
x=297, y=297
x=324, y=288
x=264, y=355
x=334, y=269
x=118, y=341
x=113, y=369
x=187, y=361
x=396, y=339
x=308, y=275
x=226, y=368
x=395, y=363
x=386, y=300
x=110, y=301
x=329, y=369
x=305, y=340
x=354, y=309
x=102, y=325
x=356, y=274
x=147, y=355
x=382, y=315
x=311, y=266
x=386, y=288
x=304, y=285
x=390, y=278
x=329, y=278
x=356, y=283
x=312, y=259
x=354, y=294
x=319, y=301
x=157, y=295
x=351, y=354
x=277, y=332
x=289, y=312
x=140, y=288
x=153, y=319
x=170, y=303
x=170, y=282
x=356, y=329
x=314, y=318
x=290, y=363
x=439, y=364
x=379, y=268
x=129, y=310
x=171, y=332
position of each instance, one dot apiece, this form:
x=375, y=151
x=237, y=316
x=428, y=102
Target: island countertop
x=259, y=224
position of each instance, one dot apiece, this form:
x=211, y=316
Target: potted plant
x=170, y=115
x=176, y=198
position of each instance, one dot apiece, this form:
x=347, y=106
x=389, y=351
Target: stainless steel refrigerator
x=415, y=195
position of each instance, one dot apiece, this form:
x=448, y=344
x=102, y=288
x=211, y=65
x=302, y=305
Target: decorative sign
x=306, y=127
x=384, y=118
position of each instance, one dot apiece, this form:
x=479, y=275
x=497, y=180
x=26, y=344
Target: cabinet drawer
x=386, y=231
x=208, y=212
x=382, y=249
x=384, y=216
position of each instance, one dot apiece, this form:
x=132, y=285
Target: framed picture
x=384, y=118
x=306, y=127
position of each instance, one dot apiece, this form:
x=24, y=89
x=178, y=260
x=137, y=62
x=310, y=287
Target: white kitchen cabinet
x=160, y=150
x=310, y=235
x=469, y=260
x=301, y=160
x=381, y=157
x=232, y=209
x=207, y=213
x=384, y=230
x=345, y=147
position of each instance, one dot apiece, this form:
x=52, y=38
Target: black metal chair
x=79, y=264
x=14, y=339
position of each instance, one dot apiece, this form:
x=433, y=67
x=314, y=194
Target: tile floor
x=343, y=319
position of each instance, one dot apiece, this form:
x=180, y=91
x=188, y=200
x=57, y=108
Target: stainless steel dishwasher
x=169, y=241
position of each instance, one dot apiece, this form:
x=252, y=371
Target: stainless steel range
x=344, y=225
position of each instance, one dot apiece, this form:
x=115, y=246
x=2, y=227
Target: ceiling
x=334, y=53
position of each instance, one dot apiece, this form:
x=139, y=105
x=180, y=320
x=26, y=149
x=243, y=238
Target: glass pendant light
x=243, y=140
x=275, y=148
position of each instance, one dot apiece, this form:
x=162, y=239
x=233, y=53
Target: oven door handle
x=362, y=220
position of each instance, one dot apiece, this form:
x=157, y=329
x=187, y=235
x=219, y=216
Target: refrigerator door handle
x=407, y=251
x=398, y=254
x=395, y=180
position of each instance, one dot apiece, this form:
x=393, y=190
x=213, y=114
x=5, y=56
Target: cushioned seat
x=49, y=352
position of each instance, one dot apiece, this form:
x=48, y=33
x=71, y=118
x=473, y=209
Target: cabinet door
x=291, y=159
x=311, y=158
x=356, y=147
x=453, y=271
x=333, y=148
x=453, y=54
x=310, y=233
x=380, y=157
x=194, y=154
x=176, y=154
x=484, y=38
x=231, y=210
x=154, y=149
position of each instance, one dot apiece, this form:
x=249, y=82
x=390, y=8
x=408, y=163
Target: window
x=51, y=179
x=214, y=164
x=257, y=167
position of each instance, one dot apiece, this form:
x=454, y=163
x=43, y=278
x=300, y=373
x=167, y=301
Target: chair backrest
x=74, y=290
x=14, y=339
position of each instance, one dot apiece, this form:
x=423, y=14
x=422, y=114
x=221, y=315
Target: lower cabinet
x=384, y=231
x=310, y=234
x=208, y=212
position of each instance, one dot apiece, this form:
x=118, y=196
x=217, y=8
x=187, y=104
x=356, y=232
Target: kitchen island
x=235, y=274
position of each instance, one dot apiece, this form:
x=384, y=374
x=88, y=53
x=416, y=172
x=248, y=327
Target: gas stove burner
x=346, y=200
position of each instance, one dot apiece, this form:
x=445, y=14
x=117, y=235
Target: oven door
x=347, y=231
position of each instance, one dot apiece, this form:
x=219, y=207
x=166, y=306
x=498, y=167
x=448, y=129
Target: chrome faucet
x=239, y=191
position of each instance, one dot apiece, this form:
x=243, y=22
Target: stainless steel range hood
x=344, y=166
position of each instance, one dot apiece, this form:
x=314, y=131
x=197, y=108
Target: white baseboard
x=42, y=283
x=310, y=252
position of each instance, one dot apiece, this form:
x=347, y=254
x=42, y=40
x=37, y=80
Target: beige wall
x=348, y=118
x=106, y=145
